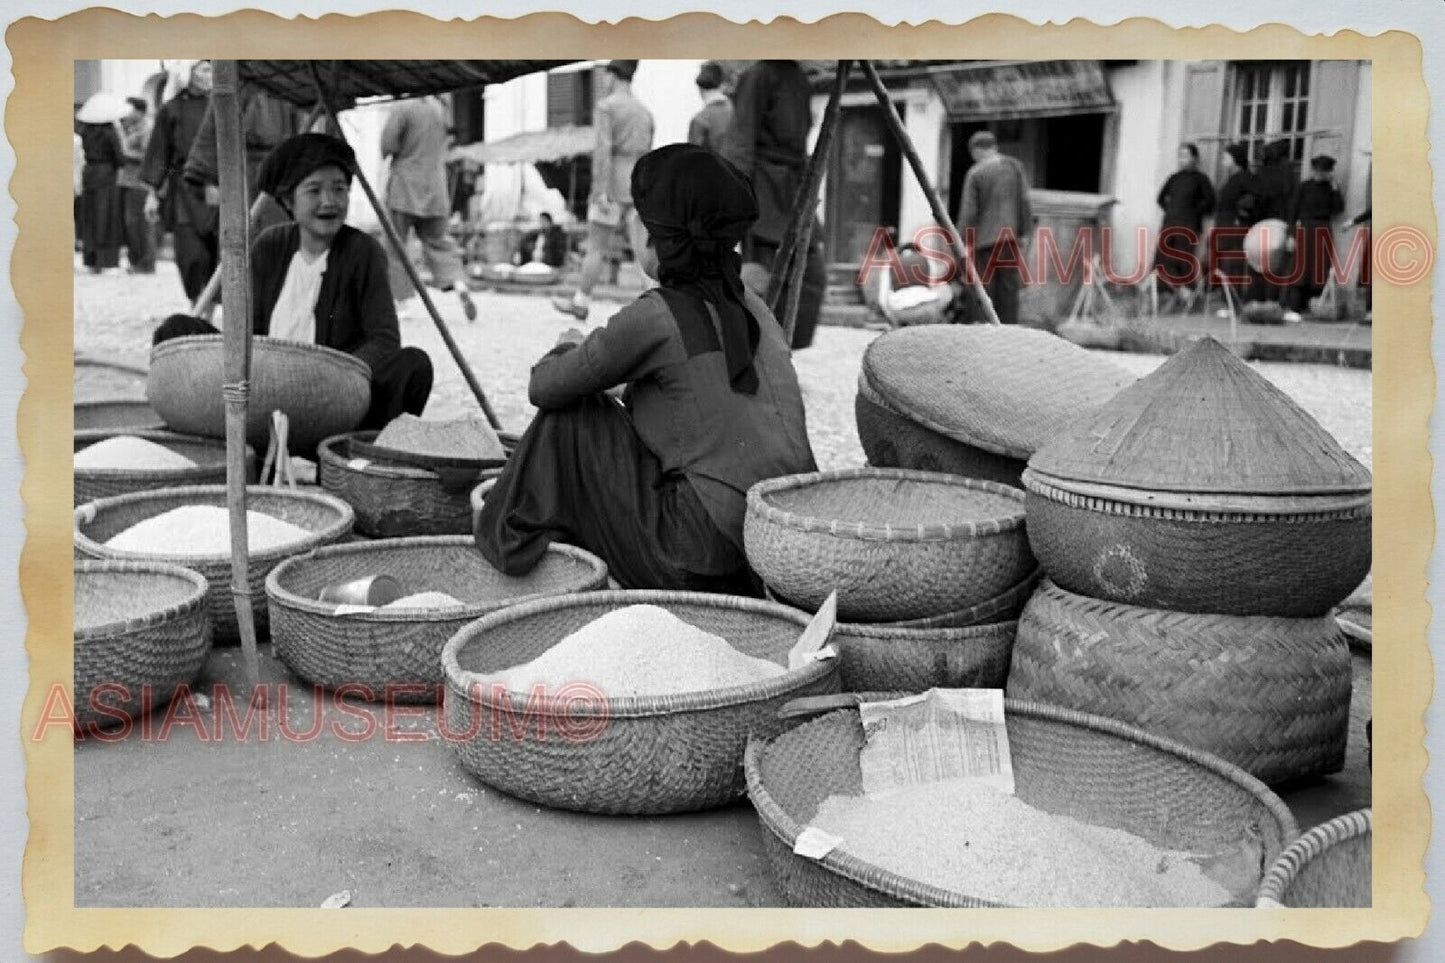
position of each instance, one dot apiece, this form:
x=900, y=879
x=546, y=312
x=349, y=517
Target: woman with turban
x=1235, y=214
x=316, y=279
x=656, y=484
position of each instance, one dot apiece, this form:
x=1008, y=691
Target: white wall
x=667, y=89
x=125, y=77
x=1149, y=119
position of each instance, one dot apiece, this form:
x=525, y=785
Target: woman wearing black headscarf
x=316, y=279
x=656, y=484
x=1233, y=217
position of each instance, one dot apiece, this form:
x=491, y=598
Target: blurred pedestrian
x=418, y=198
x=546, y=244
x=768, y=141
x=79, y=161
x=1186, y=198
x=710, y=124
x=139, y=231
x=1233, y=215
x=1362, y=221
x=1275, y=183
x=996, y=218
x=624, y=130
x=100, y=198
x=1310, y=225
x=181, y=208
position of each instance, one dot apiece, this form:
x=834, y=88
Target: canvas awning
x=351, y=80
x=1022, y=89
x=529, y=147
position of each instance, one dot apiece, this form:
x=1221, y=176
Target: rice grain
x=424, y=600
x=203, y=530
x=128, y=451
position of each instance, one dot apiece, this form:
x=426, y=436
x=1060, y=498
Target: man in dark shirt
x=183, y=210
x=545, y=245
x=1311, y=213
x=710, y=124
x=997, y=220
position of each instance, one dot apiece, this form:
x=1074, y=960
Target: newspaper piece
x=812, y=644
x=940, y=734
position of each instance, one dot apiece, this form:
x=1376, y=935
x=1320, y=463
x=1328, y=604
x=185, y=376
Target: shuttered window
x=569, y=99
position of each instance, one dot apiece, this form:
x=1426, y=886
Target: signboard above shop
x=1020, y=89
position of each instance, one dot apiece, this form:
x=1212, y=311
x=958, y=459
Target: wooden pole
x=398, y=247
x=235, y=249
x=935, y=203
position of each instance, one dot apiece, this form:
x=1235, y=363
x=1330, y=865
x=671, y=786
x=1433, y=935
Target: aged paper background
x=37, y=122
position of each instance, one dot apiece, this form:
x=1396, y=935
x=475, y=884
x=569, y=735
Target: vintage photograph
x=715, y=483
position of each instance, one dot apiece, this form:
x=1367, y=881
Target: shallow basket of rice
x=1066, y=764
x=392, y=499
x=116, y=414
x=1269, y=694
x=98, y=378
x=576, y=743
x=182, y=526
x=141, y=630
x=894, y=544
x=1329, y=866
x=323, y=392
x=109, y=462
x=394, y=652
x=1003, y=607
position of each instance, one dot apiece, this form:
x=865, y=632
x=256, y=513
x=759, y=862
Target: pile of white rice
x=204, y=530
x=460, y=438
x=128, y=451
x=640, y=650
x=424, y=600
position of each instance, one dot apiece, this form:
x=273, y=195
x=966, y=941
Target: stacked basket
x=1196, y=532
x=930, y=570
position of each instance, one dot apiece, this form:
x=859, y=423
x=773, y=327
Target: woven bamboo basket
x=1004, y=607
x=1329, y=866
x=393, y=500
x=116, y=414
x=209, y=454
x=322, y=391
x=875, y=658
x=328, y=519
x=636, y=755
x=891, y=439
x=396, y=654
x=141, y=630
x=1271, y=695
x=895, y=544
x=1091, y=769
x=96, y=378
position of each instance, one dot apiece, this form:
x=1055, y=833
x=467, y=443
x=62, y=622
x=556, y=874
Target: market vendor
x=319, y=280
x=656, y=484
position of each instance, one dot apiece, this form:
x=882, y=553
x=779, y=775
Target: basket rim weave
x=1203, y=506
x=1049, y=590
x=633, y=707
x=777, y=821
x=1317, y=841
x=953, y=433
x=327, y=452
x=759, y=506
x=88, y=512
x=468, y=611
x=1013, y=596
x=283, y=346
x=82, y=360
x=160, y=436
x=200, y=587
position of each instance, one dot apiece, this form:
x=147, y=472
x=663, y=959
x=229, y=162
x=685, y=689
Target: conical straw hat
x=102, y=108
x=1001, y=388
x=1204, y=422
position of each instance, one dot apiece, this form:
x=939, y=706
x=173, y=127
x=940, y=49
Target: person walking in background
x=546, y=244
x=624, y=130
x=768, y=141
x=996, y=218
x=1310, y=224
x=79, y=173
x=181, y=208
x=1275, y=183
x=417, y=198
x=710, y=124
x=137, y=229
x=100, y=195
x=1233, y=215
x=1362, y=221
x=1186, y=198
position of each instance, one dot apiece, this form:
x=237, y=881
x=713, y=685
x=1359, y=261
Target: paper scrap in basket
x=815, y=844
x=940, y=734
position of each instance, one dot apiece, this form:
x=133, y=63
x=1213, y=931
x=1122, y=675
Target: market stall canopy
x=351, y=80
x=529, y=147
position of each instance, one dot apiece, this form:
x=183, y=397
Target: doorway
x=863, y=183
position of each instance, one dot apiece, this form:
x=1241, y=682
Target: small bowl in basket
x=638, y=756
x=1329, y=866
x=1068, y=763
x=895, y=544
x=142, y=629
x=396, y=653
x=328, y=519
x=209, y=454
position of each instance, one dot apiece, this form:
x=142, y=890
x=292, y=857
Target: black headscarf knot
x=297, y=158
x=697, y=207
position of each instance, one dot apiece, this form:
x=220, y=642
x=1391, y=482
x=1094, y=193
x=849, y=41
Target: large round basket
x=391, y=499
x=394, y=655
x=1271, y=695
x=1329, y=866
x=209, y=454
x=141, y=630
x=895, y=544
x=327, y=518
x=1091, y=769
x=874, y=658
x=96, y=378
x=116, y=414
x=891, y=439
x=635, y=755
x=1004, y=607
x=322, y=391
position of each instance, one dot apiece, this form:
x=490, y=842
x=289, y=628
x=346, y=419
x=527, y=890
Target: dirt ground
x=288, y=822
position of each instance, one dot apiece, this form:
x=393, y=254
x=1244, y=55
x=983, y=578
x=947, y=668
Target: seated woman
x=319, y=280
x=655, y=485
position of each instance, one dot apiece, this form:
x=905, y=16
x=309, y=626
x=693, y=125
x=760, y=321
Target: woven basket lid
x=1001, y=388
x=1203, y=422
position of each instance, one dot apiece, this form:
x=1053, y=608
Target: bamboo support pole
x=935, y=203
x=398, y=247
x=236, y=284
